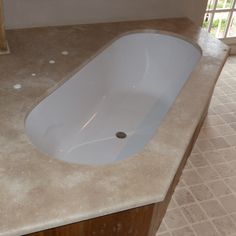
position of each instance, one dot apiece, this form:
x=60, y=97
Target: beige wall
x=195, y=9
x=34, y=13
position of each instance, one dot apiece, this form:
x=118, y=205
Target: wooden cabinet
x=3, y=42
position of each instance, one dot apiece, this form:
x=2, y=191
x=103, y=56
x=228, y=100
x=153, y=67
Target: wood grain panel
x=3, y=42
x=134, y=222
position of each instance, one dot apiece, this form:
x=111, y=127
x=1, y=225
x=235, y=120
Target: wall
x=195, y=9
x=34, y=13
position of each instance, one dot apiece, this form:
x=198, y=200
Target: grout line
x=215, y=197
x=224, y=88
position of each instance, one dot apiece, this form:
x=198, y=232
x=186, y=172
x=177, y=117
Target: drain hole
x=121, y=135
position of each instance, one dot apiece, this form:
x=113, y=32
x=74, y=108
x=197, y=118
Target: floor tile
x=231, y=139
x=229, y=154
x=188, y=165
x=229, y=117
x=225, y=226
x=181, y=184
x=231, y=106
x=231, y=182
x=213, y=120
x=214, y=157
x=198, y=160
x=225, y=170
x=224, y=129
x=213, y=208
x=162, y=227
x=193, y=213
x=205, y=229
x=225, y=99
x=208, y=173
x=186, y=231
x=233, y=217
x=219, y=188
x=175, y=219
x=201, y=192
x=229, y=203
x=233, y=125
x=183, y=197
x=163, y=234
x=221, y=109
x=191, y=177
x=172, y=204
x=195, y=149
x=205, y=145
x=219, y=143
x=208, y=132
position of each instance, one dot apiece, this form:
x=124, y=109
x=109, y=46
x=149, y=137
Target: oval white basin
x=127, y=88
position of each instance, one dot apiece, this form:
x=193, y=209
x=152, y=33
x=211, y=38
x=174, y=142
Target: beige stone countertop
x=38, y=192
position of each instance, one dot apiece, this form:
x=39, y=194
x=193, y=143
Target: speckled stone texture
x=39, y=192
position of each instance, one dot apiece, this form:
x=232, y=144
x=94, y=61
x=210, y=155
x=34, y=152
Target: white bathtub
x=128, y=87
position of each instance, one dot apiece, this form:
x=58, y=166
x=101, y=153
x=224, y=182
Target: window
x=220, y=18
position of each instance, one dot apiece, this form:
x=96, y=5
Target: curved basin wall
x=128, y=87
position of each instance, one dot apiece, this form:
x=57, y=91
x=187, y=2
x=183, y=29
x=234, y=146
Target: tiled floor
x=204, y=203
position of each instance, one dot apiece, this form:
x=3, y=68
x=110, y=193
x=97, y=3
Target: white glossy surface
x=128, y=87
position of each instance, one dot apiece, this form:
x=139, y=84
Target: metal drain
x=121, y=135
